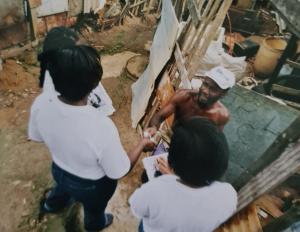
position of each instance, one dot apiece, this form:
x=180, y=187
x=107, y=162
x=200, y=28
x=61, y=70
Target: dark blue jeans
x=141, y=227
x=93, y=194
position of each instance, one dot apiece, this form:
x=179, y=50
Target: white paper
x=150, y=164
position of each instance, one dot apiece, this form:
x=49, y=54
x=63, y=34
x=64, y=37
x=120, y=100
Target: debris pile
x=259, y=33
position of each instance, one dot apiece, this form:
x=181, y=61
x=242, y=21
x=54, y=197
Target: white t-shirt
x=166, y=205
x=81, y=140
x=98, y=97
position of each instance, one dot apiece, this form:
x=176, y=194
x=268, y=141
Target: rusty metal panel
x=13, y=27
x=289, y=11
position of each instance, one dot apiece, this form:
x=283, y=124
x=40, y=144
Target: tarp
x=160, y=52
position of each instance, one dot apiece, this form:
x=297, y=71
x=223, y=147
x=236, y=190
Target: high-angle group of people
x=71, y=117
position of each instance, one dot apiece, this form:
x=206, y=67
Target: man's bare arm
x=137, y=150
x=179, y=97
x=162, y=114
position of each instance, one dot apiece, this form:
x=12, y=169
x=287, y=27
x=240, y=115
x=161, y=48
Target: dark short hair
x=75, y=71
x=59, y=37
x=198, y=151
x=56, y=38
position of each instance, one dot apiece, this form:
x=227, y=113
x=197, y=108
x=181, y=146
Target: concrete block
x=258, y=131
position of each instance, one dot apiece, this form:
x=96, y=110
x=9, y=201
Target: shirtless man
x=203, y=101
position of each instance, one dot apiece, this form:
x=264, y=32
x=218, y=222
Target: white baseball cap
x=223, y=77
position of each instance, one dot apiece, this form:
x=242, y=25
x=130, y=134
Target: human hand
x=148, y=144
x=180, y=95
x=150, y=131
x=163, y=166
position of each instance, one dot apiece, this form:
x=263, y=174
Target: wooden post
x=150, y=6
x=33, y=4
x=274, y=174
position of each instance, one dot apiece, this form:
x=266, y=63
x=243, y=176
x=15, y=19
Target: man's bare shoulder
x=224, y=113
x=218, y=105
x=219, y=113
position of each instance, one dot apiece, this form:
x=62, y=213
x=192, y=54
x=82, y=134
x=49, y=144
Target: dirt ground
x=25, y=165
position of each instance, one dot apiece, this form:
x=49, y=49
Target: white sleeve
x=33, y=132
x=139, y=202
x=48, y=86
x=105, y=105
x=115, y=161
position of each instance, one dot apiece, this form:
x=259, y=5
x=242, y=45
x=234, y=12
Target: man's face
x=209, y=92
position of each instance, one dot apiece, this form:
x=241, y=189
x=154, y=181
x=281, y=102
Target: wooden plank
x=194, y=12
x=207, y=18
x=268, y=204
x=34, y=23
x=133, y=9
x=136, y=8
x=285, y=90
x=274, y=174
x=150, y=6
x=180, y=63
x=151, y=112
x=293, y=104
x=201, y=48
x=293, y=63
x=124, y=12
x=245, y=221
x=208, y=14
x=184, y=4
x=254, y=223
x=137, y=4
x=189, y=35
x=159, y=6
